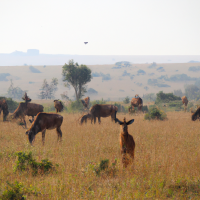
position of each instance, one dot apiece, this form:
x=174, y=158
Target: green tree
x=77, y=76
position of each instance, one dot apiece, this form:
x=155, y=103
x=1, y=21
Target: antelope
x=42, y=122
x=127, y=143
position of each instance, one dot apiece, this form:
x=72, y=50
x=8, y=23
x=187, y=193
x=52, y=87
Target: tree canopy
x=76, y=76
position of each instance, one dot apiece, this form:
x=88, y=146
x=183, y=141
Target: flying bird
x=85, y=42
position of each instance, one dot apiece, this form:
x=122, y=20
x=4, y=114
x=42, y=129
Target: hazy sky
x=112, y=27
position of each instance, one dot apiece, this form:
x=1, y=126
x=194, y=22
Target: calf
x=127, y=144
x=45, y=121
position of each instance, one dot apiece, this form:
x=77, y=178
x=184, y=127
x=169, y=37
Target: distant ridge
x=34, y=57
x=193, y=61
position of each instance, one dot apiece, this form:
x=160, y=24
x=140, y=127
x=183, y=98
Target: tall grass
x=166, y=165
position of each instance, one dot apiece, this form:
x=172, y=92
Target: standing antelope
x=127, y=143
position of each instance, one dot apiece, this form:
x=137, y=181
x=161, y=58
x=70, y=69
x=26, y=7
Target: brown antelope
x=45, y=121
x=196, y=115
x=58, y=106
x=136, y=102
x=29, y=109
x=98, y=111
x=127, y=143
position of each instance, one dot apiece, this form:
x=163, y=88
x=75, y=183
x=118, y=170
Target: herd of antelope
x=44, y=121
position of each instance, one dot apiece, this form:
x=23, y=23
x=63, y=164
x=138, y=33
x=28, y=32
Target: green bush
x=75, y=106
x=165, y=97
x=155, y=113
x=12, y=105
x=103, y=168
x=27, y=162
x=17, y=191
x=97, y=102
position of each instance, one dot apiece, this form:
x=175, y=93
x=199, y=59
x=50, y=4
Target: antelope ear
x=118, y=121
x=27, y=132
x=130, y=122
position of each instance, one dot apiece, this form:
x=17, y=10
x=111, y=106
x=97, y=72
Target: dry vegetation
x=167, y=159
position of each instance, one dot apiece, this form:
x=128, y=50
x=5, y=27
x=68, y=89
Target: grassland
x=166, y=165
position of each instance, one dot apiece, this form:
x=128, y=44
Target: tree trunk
x=76, y=94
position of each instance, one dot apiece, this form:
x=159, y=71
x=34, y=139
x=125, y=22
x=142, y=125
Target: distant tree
x=77, y=76
x=48, y=90
x=64, y=96
x=178, y=93
x=192, y=92
x=149, y=97
x=126, y=100
x=15, y=92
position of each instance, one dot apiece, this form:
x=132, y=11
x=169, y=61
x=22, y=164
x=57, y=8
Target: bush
x=92, y=103
x=75, y=106
x=155, y=113
x=17, y=191
x=26, y=162
x=12, y=105
x=103, y=168
x=165, y=97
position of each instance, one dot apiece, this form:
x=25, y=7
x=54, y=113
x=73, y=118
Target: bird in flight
x=85, y=42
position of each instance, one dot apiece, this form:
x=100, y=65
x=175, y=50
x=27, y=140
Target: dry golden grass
x=167, y=159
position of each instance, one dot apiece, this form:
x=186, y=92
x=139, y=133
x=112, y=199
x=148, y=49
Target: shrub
x=75, y=106
x=17, y=191
x=155, y=113
x=103, y=168
x=97, y=102
x=12, y=105
x=126, y=100
x=27, y=162
x=165, y=97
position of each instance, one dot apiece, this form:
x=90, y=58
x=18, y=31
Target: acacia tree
x=76, y=76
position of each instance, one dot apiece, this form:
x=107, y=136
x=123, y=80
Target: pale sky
x=111, y=27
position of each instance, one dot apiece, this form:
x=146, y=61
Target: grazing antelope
x=45, y=121
x=136, y=102
x=196, y=115
x=58, y=106
x=98, y=111
x=29, y=109
x=4, y=107
x=127, y=143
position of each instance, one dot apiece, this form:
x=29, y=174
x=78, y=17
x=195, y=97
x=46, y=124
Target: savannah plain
x=118, y=86
x=166, y=164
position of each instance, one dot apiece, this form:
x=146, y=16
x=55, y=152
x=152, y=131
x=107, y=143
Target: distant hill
x=193, y=61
